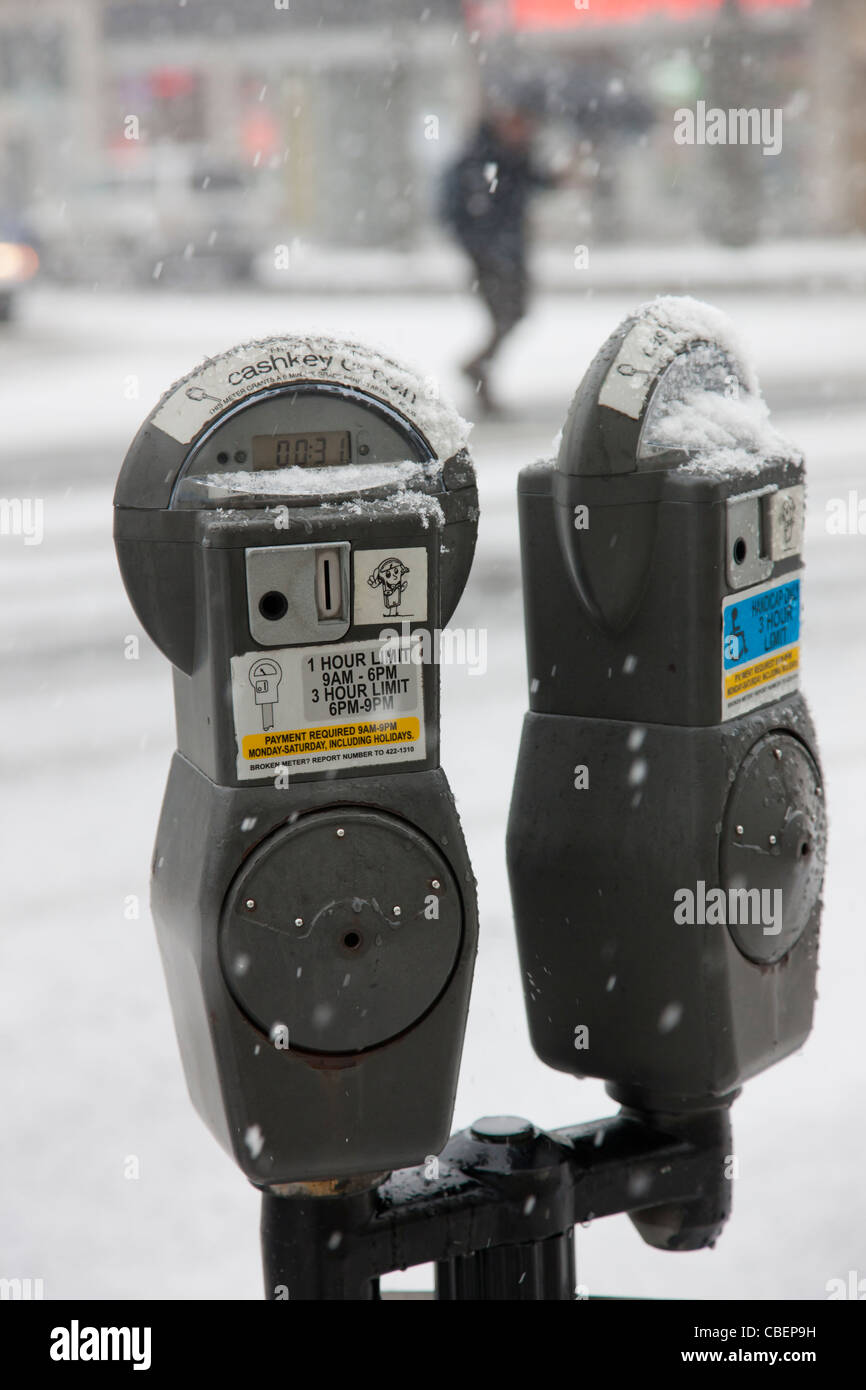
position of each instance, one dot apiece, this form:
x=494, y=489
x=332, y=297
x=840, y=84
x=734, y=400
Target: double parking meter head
x=287, y=519
x=666, y=837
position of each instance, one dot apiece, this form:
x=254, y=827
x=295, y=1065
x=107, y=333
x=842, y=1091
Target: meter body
x=667, y=828
x=287, y=519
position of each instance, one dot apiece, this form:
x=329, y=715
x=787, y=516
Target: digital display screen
x=302, y=450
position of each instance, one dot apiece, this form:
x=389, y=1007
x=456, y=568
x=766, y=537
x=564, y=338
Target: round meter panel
x=773, y=838
x=304, y=442
x=342, y=930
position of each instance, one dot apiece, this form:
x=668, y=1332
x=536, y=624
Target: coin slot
x=329, y=589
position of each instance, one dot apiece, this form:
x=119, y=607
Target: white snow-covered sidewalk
x=807, y=263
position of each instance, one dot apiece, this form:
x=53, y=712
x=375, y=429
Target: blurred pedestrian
x=486, y=194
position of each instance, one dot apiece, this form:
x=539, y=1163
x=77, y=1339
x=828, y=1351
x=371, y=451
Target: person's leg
x=502, y=286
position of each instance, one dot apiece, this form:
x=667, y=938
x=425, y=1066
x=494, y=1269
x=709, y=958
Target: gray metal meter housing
x=288, y=517
x=668, y=784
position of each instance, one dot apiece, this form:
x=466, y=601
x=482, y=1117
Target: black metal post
x=496, y=1214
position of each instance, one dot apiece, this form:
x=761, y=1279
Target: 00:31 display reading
x=302, y=450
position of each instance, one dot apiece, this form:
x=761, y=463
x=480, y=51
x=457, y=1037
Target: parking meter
x=288, y=519
x=667, y=829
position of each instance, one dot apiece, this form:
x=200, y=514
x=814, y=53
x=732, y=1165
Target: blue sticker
x=760, y=622
x=760, y=645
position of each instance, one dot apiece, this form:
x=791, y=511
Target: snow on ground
x=91, y=1075
x=87, y=368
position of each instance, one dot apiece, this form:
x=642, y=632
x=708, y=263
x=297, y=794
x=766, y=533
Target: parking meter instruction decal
x=760, y=645
x=390, y=584
x=314, y=709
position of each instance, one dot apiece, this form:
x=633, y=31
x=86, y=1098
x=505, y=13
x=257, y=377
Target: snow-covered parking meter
x=287, y=519
x=667, y=831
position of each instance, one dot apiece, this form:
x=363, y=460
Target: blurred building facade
x=351, y=111
x=337, y=112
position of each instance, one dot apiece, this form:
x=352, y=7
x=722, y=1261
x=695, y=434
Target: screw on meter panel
x=287, y=518
x=667, y=832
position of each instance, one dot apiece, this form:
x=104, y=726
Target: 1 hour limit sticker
x=310, y=707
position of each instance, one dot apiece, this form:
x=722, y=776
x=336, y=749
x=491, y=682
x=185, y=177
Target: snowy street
x=91, y=1076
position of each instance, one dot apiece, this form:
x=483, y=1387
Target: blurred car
x=19, y=262
x=132, y=223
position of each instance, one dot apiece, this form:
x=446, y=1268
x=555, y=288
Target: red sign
x=492, y=16
x=168, y=83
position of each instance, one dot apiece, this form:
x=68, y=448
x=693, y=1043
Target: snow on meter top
x=289, y=494
x=288, y=518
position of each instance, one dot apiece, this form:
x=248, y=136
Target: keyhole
x=273, y=605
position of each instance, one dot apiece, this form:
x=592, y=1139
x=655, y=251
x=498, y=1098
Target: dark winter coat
x=485, y=197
